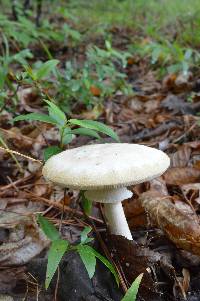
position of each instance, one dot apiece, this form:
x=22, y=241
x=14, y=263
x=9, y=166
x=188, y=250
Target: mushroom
x=104, y=171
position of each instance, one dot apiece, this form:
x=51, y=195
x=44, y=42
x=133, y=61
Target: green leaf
x=95, y=125
x=107, y=264
x=108, y=45
x=50, y=151
x=84, y=235
x=45, y=69
x=86, y=132
x=30, y=72
x=66, y=135
x=55, y=254
x=56, y=113
x=87, y=255
x=131, y=293
x=36, y=117
x=48, y=228
x=87, y=204
x=68, y=138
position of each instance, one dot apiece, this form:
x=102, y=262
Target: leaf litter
x=163, y=214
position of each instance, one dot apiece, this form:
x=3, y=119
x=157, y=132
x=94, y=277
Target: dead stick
x=22, y=180
x=61, y=207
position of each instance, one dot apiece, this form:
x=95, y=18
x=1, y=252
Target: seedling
x=66, y=128
x=131, y=294
x=59, y=247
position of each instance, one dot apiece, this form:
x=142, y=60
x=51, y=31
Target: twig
x=185, y=133
x=60, y=206
x=12, y=154
x=57, y=283
x=22, y=180
x=13, y=185
x=19, y=154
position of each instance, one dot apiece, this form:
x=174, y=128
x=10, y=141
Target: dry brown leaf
x=135, y=213
x=177, y=220
x=181, y=175
x=23, y=240
x=9, y=278
x=181, y=157
x=18, y=140
x=134, y=260
x=169, y=80
x=42, y=187
x=95, y=91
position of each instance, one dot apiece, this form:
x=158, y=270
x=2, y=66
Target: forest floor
x=136, y=69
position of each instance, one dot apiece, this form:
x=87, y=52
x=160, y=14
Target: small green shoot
x=45, y=69
x=131, y=293
x=55, y=254
x=59, y=247
x=66, y=126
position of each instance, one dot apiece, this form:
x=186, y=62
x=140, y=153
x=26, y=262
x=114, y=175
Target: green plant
x=66, y=127
x=59, y=247
x=131, y=294
x=100, y=77
x=87, y=254
x=24, y=32
x=170, y=57
x=6, y=61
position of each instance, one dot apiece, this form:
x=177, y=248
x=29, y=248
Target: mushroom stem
x=117, y=221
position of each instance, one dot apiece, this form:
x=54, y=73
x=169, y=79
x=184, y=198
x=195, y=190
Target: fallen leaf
x=135, y=260
x=177, y=220
x=181, y=157
x=95, y=91
x=25, y=239
x=181, y=175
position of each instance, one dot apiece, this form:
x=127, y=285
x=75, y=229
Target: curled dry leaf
x=22, y=241
x=177, y=220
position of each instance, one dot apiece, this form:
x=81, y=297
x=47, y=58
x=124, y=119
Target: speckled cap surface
x=105, y=166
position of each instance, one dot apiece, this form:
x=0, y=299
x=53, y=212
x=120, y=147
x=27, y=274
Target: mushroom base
x=117, y=221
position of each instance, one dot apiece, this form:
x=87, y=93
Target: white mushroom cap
x=104, y=171
x=105, y=166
